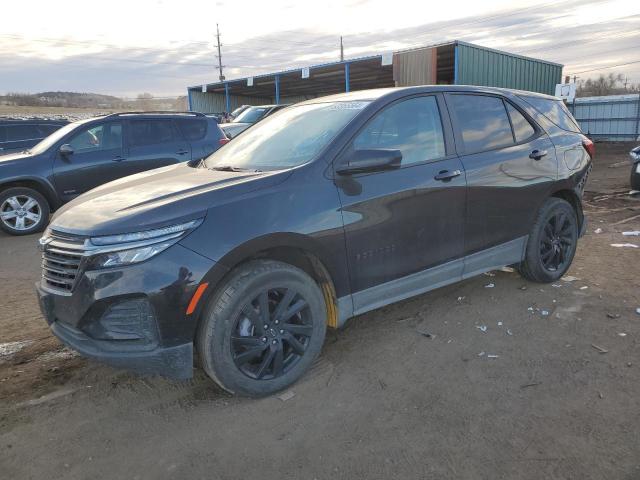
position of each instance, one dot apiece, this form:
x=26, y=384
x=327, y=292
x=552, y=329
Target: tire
x=23, y=211
x=250, y=364
x=552, y=242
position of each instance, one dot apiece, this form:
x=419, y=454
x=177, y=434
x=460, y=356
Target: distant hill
x=144, y=101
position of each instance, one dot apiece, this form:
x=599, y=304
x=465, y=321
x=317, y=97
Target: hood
x=156, y=198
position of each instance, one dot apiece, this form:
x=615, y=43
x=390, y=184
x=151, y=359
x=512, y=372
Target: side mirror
x=66, y=150
x=370, y=160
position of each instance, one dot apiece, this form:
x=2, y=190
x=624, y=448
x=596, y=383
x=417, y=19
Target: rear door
x=404, y=221
x=510, y=166
x=97, y=153
x=202, y=134
x=154, y=143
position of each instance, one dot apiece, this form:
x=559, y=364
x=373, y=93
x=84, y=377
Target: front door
x=404, y=221
x=97, y=154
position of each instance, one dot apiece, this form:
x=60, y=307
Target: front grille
x=62, y=256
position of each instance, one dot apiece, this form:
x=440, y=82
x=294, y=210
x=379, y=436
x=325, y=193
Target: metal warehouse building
x=456, y=62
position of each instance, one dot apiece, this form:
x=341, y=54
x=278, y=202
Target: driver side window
x=412, y=126
x=106, y=136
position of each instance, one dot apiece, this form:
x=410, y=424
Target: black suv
x=88, y=153
x=17, y=135
x=325, y=210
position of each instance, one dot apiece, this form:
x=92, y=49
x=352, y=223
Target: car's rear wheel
x=262, y=328
x=552, y=242
x=23, y=211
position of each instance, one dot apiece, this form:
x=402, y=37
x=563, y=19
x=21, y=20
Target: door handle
x=118, y=158
x=537, y=154
x=446, y=175
x=182, y=152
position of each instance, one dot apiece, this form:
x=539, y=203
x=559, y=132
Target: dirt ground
x=549, y=390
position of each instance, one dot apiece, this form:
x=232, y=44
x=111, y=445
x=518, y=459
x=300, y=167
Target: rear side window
x=555, y=111
x=522, y=129
x=483, y=122
x=22, y=132
x=412, y=126
x=152, y=132
x=192, y=128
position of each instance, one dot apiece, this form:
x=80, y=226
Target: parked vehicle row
x=85, y=154
x=248, y=117
x=323, y=211
x=17, y=135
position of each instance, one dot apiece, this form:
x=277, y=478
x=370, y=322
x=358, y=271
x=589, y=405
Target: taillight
x=589, y=146
x=223, y=141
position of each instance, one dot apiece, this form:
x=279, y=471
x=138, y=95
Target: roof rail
x=157, y=112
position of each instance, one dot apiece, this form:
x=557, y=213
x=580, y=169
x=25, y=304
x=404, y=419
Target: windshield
x=251, y=115
x=291, y=137
x=54, y=138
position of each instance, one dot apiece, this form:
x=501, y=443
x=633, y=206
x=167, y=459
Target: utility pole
x=626, y=82
x=341, y=50
x=219, y=53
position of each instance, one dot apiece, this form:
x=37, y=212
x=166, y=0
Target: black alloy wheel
x=271, y=333
x=556, y=242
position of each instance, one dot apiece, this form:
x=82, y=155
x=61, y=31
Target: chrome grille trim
x=62, y=258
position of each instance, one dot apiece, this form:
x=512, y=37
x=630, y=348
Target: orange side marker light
x=196, y=297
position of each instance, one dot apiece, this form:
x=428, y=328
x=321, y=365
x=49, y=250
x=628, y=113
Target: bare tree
x=611, y=84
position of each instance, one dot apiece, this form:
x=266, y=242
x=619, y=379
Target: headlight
x=128, y=248
x=126, y=257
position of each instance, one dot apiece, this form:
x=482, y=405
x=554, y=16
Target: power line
x=605, y=68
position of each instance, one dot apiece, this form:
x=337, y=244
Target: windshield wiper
x=231, y=168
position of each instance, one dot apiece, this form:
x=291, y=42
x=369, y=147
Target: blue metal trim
x=455, y=64
x=226, y=97
x=346, y=77
x=277, y=81
x=189, y=99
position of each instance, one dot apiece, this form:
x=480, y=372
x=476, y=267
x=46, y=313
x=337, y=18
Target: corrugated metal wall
x=415, y=67
x=216, y=103
x=479, y=66
x=611, y=118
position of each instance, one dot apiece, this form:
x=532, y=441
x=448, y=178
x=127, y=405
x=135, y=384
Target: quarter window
x=412, y=126
x=152, y=132
x=522, y=129
x=192, y=129
x=106, y=136
x=483, y=121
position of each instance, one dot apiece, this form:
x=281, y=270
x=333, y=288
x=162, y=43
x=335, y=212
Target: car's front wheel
x=23, y=211
x=552, y=242
x=262, y=329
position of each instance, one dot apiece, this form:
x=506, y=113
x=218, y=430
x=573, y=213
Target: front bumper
x=134, y=316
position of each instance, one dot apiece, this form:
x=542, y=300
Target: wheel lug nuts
x=264, y=339
x=277, y=322
x=266, y=326
x=274, y=342
x=281, y=332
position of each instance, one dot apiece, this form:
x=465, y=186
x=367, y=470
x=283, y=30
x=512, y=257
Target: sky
x=161, y=46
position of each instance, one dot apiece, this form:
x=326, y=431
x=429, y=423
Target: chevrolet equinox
x=328, y=209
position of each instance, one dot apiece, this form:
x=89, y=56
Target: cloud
x=582, y=35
